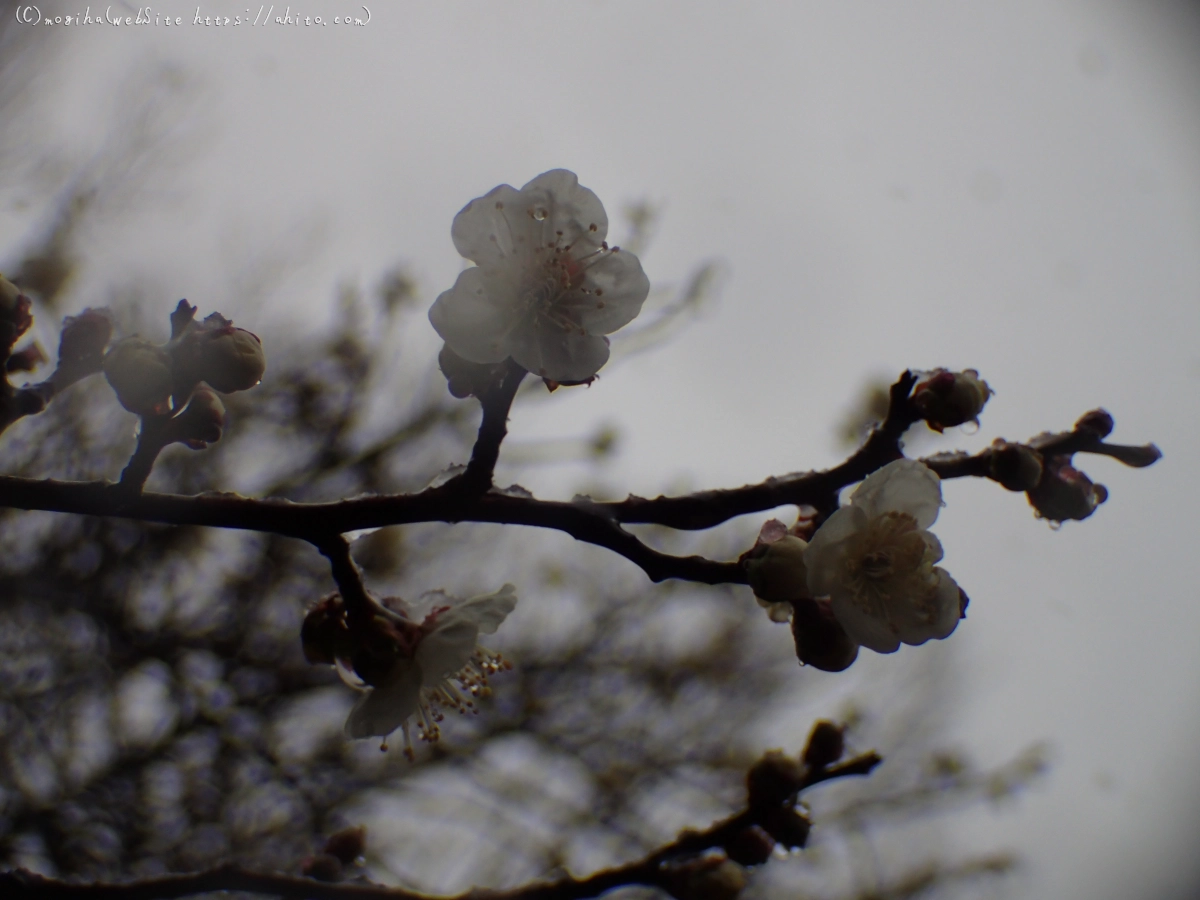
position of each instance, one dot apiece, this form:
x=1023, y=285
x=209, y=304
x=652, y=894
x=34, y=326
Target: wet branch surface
x=652, y=870
x=469, y=497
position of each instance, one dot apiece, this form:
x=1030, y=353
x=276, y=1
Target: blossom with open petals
x=875, y=558
x=442, y=668
x=545, y=286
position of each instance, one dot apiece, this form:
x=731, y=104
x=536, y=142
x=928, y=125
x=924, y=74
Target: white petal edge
x=484, y=233
x=862, y=628
x=574, y=214
x=451, y=643
x=384, y=708
x=623, y=287
x=470, y=321
x=903, y=485
x=824, y=554
x=551, y=352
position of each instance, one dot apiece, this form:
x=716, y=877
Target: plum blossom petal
x=560, y=356
x=488, y=611
x=546, y=286
x=904, y=485
x=936, y=618
x=474, y=327
x=384, y=708
x=616, y=288
x=445, y=669
x=450, y=643
x=875, y=559
x=481, y=232
x=825, y=546
x=566, y=210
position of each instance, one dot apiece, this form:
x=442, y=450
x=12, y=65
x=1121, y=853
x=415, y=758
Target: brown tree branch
x=336, y=549
x=492, y=430
x=152, y=438
x=599, y=523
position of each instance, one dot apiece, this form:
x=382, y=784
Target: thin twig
x=345, y=573
x=152, y=438
x=493, y=428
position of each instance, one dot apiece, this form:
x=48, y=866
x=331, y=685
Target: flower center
x=889, y=563
x=548, y=278
x=876, y=565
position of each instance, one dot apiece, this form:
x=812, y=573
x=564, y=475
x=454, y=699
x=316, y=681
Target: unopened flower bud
x=1098, y=421
x=750, y=847
x=821, y=642
x=773, y=780
x=84, y=337
x=26, y=359
x=15, y=317
x=1016, y=466
x=945, y=399
x=826, y=744
x=776, y=570
x=140, y=372
x=348, y=844
x=322, y=867
x=320, y=631
x=232, y=361
x=202, y=422
x=1065, y=493
x=705, y=878
x=787, y=826
x=465, y=378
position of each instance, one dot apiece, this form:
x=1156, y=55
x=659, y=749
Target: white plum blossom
x=443, y=668
x=875, y=558
x=545, y=286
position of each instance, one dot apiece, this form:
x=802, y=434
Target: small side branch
x=345, y=573
x=493, y=429
x=152, y=438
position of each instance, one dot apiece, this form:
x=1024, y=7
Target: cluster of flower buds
x=945, y=399
x=178, y=380
x=1063, y=492
x=866, y=577
x=1017, y=467
x=778, y=576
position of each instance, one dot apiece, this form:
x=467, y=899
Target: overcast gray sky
x=1013, y=187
